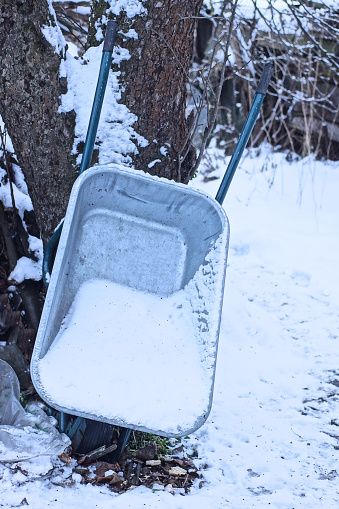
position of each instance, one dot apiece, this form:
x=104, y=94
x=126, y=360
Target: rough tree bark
x=154, y=79
x=30, y=89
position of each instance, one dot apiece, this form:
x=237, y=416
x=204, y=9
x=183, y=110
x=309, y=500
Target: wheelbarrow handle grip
x=111, y=33
x=265, y=79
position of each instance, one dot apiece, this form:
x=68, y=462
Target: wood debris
x=177, y=471
x=170, y=473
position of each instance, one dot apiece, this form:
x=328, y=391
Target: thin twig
x=308, y=35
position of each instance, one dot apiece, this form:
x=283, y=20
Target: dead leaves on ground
x=171, y=473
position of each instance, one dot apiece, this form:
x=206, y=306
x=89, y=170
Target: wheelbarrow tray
x=129, y=330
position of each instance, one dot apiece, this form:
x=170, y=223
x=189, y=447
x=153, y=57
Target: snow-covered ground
x=272, y=437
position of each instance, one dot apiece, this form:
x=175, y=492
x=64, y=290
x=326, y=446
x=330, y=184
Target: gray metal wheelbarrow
x=129, y=331
x=130, y=325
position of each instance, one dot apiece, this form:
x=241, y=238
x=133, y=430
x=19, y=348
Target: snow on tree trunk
x=159, y=38
x=30, y=89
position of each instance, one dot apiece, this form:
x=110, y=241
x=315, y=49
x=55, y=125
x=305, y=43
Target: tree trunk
x=153, y=80
x=30, y=89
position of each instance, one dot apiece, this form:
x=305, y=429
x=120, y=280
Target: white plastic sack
x=24, y=434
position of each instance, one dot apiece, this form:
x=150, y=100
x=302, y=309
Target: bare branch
x=209, y=128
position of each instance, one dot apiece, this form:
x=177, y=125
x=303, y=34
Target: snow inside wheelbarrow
x=130, y=326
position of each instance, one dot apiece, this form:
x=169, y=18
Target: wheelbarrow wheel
x=98, y=434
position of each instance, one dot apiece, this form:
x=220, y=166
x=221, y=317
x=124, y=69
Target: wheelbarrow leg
x=121, y=444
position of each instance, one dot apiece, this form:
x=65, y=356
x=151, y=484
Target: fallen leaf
x=102, y=467
x=65, y=458
x=148, y=452
x=115, y=478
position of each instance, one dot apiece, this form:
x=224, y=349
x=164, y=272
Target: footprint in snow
x=240, y=249
x=301, y=278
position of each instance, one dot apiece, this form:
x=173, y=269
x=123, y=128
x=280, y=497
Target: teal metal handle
x=105, y=66
x=111, y=31
x=49, y=255
x=245, y=133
